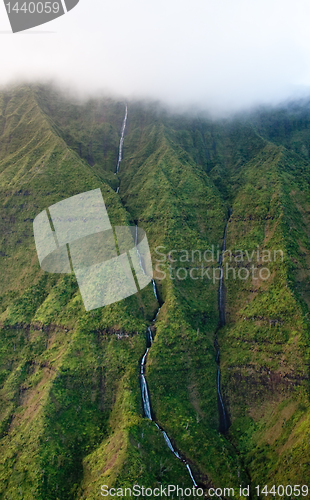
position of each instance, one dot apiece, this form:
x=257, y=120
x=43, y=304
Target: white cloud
x=214, y=53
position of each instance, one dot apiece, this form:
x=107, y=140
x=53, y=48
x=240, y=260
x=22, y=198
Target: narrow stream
x=121, y=143
x=224, y=424
x=144, y=388
x=145, y=393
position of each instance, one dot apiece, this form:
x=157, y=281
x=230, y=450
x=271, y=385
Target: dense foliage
x=71, y=415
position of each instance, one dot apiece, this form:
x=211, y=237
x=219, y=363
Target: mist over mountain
x=220, y=56
x=72, y=416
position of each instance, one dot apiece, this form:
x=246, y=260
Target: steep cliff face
x=265, y=343
x=71, y=412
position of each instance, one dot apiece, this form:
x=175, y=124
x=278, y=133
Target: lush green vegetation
x=71, y=416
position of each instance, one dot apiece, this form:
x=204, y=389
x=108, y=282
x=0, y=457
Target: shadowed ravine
x=146, y=397
x=224, y=424
x=144, y=389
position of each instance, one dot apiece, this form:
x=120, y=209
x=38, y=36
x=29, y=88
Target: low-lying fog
x=219, y=55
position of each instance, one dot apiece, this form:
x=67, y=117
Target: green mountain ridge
x=71, y=412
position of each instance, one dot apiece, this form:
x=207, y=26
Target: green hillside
x=70, y=408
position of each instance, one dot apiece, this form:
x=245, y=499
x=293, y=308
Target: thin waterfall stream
x=224, y=424
x=121, y=143
x=146, y=397
x=144, y=388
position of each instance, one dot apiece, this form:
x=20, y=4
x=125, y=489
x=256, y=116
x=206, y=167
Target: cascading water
x=144, y=388
x=221, y=300
x=155, y=291
x=121, y=142
x=221, y=284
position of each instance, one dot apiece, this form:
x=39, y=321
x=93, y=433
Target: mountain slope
x=70, y=391
x=265, y=344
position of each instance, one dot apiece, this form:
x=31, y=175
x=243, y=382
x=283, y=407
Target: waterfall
x=156, y=313
x=141, y=265
x=145, y=393
x=146, y=403
x=150, y=336
x=221, y=283
x=154, y=289
x=225, y=426
x=121, y=142
x=191, y=475
x=144, y=389
x=221, y=302
x=139, y=255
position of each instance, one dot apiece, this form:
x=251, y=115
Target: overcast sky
x=225, y=54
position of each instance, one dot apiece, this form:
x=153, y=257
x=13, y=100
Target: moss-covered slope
x=71, y=413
